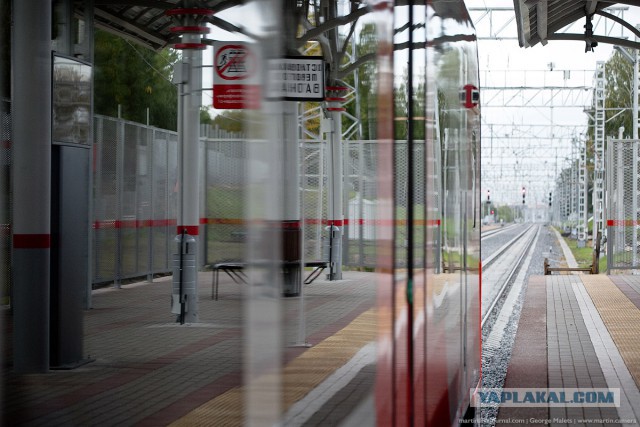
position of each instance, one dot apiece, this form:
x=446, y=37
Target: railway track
x=495, y=231
x=499, y=272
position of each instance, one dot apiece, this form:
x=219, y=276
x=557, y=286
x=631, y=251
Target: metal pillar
x=189, y=19
x=31, y=158
x=336, y=184
x=635, y=94
x=598, y=170
x=291, y=231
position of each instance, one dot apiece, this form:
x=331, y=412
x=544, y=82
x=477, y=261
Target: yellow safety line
x=621, y=317
x=299, y=377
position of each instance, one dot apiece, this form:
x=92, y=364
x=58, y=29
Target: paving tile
x=150, y=371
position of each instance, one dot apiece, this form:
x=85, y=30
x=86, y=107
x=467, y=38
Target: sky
x=528, y=147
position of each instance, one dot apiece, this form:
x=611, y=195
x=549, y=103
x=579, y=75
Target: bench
x=235, y=271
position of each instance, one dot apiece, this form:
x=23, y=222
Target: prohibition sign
x=235, y=62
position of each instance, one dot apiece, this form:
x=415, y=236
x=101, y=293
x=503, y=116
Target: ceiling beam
x=542, y=20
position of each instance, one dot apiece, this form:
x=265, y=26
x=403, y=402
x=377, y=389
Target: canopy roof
x=145, y=21
x=541, y=20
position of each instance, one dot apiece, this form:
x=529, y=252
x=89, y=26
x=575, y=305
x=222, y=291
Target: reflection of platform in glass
x=148, y=373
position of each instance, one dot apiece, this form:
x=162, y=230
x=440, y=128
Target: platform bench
x=235, y=271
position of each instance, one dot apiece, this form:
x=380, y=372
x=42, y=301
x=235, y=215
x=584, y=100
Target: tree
x=229, y=120
x=136, y=79
x=205, y=116
x=618, y=94
x=366, y=46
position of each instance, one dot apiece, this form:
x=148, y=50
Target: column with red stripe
x=190, y=25
x=334, y=98
x=31, y=186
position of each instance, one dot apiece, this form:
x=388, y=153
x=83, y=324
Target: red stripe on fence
x=622, y=222
x=142, y=223
x=32, y=241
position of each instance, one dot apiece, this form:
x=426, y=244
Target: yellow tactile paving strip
x=621, y=317
x=300, y=376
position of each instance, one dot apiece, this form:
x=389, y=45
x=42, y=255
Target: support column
x=335, y=209
x=31, y=157
x=185, y=284
x=291, y=225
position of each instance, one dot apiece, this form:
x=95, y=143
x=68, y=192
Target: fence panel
x=106, y=201
x=162, y=194
x=313, y=197
x=360, y=206
x=5, y=199
x=225, y=171
x=623, y=211
x=136, y=202
x=134, y=199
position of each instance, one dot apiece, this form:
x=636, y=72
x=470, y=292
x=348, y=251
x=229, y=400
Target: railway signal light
x=488, y=196
x=549, y=199
x=524, y=194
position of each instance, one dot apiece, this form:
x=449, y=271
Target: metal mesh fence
x=314, y=197
x=135, y=199
x=105, y=201
x=623, y=211
x=224, y=193
x=5, y=198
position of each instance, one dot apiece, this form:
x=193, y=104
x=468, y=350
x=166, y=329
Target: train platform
x=577, y=331
x=148, y=370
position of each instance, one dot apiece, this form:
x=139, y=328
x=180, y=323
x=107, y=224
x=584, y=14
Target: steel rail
x=486, y=263
x=495, y=231
x=513, y=271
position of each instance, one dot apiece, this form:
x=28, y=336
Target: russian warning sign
x=296, y=78
x=236, y=77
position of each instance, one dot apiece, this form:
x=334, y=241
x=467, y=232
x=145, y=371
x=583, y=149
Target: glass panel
x=71, y=101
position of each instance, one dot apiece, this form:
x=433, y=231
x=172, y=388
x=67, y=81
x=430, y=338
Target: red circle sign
x=235, y=62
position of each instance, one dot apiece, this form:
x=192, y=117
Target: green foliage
x=229, y=120
x=205, y=116
x=366, y=72
x=584, y=256
x=619, y=86
x=505, y=213
x=136, y=79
